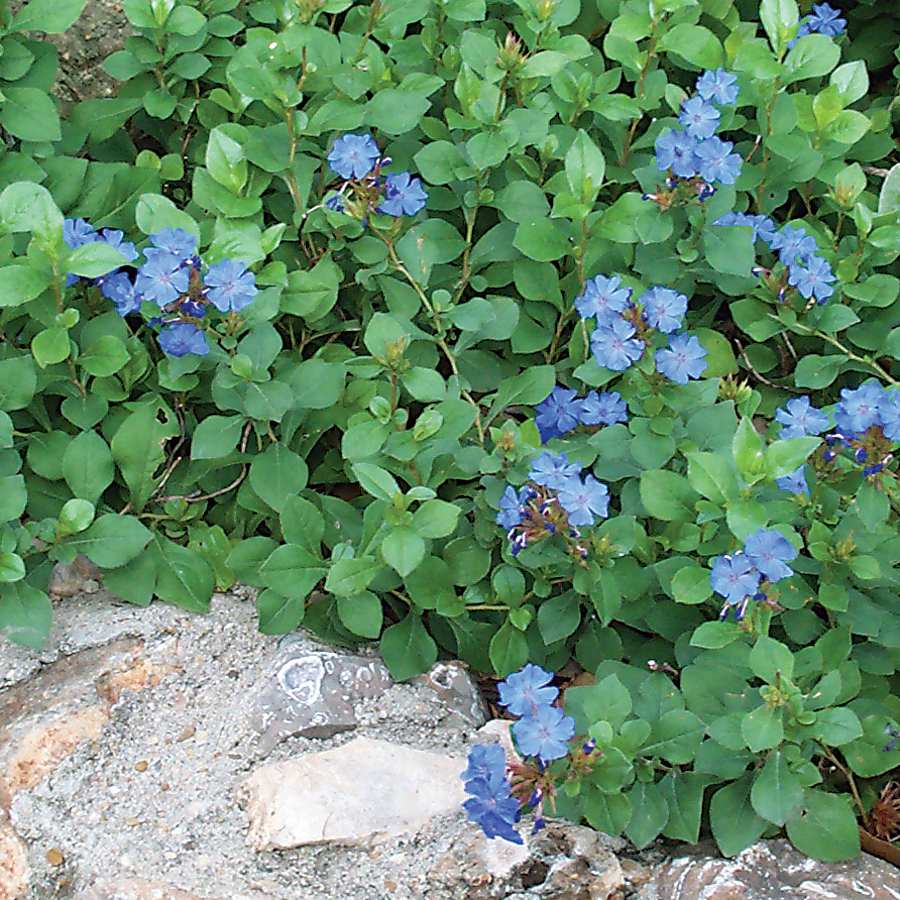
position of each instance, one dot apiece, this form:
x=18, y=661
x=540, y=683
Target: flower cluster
x=542, y=734
x=804, y=270
x=623, y=328
x=169, y=277
x=824, y=20
x=694, y=157
x=740, y=577
x=563, y=410
x=556, y=501
x=357, y=159
x=866, y=422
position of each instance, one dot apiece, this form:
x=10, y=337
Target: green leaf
x=75, y=516
x=183, y=577
x=376, y=481
x=836, y=726
x=112, y=540
x=649, y=814
x=104, y=357
x=747, y=447
x=826, y=827
x=155, y=212
x=278, y=614
x=667, y=495
x=225, y=160
x=779, y=19
x=734, y=822
x=50, y=346
x=13, y=497
x=25, y=614
x=508, y=650
x=609, y=813
x=30, y=207
x=292, y=571
x=714, y=635
x=683, y=793
x=30, y=114
x=676, y=737
x=784, y=457
x=713, y=475
x=777, y=792
x=88, y=467
x=691, y=585
x=396, y=111
x=402, y=550
x=435, y=519
x=362, y=614
x=278, y=473
x=137, y=448
x=543, y=240
x=216, y=436
x=770, y=659
x=729, y=250
x=12, y=567
x=21, y=284
x=303, y=524
x=694, y=43
x=814, y=371
x=407, y=649
x=49, y=16
x=352, y=576
x=95, y=259
x=763, y=728
x=585, y=167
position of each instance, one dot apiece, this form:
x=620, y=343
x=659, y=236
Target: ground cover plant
x=503, y=330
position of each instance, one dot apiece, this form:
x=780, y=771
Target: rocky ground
x=150, y=753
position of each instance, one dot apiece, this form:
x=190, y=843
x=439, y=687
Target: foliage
x=344, y=445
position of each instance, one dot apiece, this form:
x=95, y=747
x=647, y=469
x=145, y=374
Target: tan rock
x=44, y=719
x=134, y=889
x=14, y=870
x=81, y=574
x=363, y=789
x=771, y=869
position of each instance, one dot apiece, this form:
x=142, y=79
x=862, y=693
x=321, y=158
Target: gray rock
x=14, y=869
x=134, y=889
x=364, y=789
x=79, y=576
x=771, y=870
x=312, y=693
x=454, y=686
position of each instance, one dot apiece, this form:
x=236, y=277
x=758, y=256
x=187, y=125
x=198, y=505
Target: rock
x=312, y=693
x=44, y=719
x=13, y=863
x=562, y=862
x=456, y=690
x=134, y=889
x=81, y=575
x=366, y=788
x=769, y=870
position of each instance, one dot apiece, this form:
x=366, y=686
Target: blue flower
x=677, y=151
x=486, y=762
x=890, y=415
x=160, y=280
x=118, y=288
x=792, y=244
x=558, y=413
x=354, y=155
x=582, y=501
x=514, y=506
x=602, y=297
x=545, y=733
x=800, y=418
x=181, y=338
x=229, y=286
x=113, y=237
x=763, y=227
x=524, y=691
x=826, y=20
x=718, y=85
x=77, y=232
x=491, y=806
x=336, y=203
x=734, y=577
x=770, y=552
x=683, y=359
x=177, y=242
x=700, y=118
x=813, y=280
x=663, y=308
x=858, y=410
x=614, y=345
x=795, y=482
x=552, y=471
x=402, y=196
x=716, y=161
x=605, y=409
